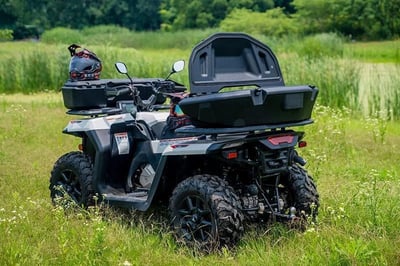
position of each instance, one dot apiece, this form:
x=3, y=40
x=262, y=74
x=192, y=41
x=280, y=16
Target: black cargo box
x=226, y=60
x=83, y=95
x=263, y=106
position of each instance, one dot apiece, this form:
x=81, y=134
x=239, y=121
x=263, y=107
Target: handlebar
x=158, y=87
x=123, y=91
x=164, y=87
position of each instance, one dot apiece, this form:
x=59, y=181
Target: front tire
x=206, y=213
x=71, y=179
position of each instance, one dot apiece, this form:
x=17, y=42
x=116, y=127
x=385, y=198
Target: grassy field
x=354, y=161
x=353, y=150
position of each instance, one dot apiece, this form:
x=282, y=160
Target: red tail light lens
x=232, y=154
x=276, y=140
x=302, y=144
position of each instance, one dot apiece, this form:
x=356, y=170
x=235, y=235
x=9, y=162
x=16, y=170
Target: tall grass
x=321, y=45
x=337, y=79
x=324, y=60
x=374, y=52
x=352, y=160
x=45, y=67
x=379, y=84
x=122, y=37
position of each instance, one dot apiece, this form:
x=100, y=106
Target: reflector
x=302, y=144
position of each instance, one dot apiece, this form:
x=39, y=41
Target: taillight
x=280, y=139
x=232, y=154
x=302, y=144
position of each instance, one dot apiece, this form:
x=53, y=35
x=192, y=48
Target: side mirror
x=178, y=66
x=121, y=67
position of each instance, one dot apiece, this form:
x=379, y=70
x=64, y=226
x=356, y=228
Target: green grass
x=121, y=37
x=374, y=52
x=37, y=67
x=354, y=161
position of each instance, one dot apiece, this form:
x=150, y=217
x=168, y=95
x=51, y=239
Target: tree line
x=360, y=19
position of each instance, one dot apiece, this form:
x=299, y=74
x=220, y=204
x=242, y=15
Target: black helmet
x=84, y=65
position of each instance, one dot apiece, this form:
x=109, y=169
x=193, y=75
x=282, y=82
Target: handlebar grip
x=166, y=86
x=123, y=91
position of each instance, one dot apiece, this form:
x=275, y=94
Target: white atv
x=231, y=158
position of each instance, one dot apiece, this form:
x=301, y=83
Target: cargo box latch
x=258, y=96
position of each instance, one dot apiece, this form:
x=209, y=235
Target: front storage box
x=93, y=94
x=79, y=95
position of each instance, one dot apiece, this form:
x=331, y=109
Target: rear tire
x=71, y=179
x=304, y=193
x=206, y=213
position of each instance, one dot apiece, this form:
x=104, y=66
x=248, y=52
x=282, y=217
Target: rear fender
x=78, y=126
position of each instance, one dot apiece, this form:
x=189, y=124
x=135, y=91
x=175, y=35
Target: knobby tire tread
x=81, y=165
x=223, y=202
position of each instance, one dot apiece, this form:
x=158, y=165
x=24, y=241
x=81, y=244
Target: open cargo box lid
x=230, y=60
x=238, y=60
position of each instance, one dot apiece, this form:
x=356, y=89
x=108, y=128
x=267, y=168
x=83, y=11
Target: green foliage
x=107, y=35
x=62, y=35
x=134, y=14
x=313, y=14
x=373, y=19
x=22, y=32
x=177, y=14
x=324, y=44
x=256, y=5
x=273, y=22
x=6, y=35
x=357, y=19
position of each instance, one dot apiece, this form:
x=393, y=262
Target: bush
x=271, y=23
x=62, y=35
x=324, y=44
x=22, y=32
x=6, y=35
x=105, y=29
